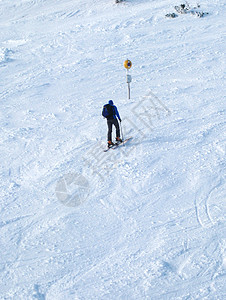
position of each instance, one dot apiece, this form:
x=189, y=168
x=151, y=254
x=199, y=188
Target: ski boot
x=110, y=144
x=118, y=140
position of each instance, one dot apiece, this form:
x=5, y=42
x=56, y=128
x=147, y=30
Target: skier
x=110, y=112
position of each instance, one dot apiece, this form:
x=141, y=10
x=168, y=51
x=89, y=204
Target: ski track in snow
x=151, y=224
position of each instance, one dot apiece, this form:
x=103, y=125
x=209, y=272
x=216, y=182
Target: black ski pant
x=116, y=124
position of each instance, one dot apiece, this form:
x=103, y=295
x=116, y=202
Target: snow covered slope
x=144, y=221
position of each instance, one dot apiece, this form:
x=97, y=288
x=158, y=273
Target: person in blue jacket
x=110, y=112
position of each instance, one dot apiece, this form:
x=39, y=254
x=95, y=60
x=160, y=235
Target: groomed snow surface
x=143, y=221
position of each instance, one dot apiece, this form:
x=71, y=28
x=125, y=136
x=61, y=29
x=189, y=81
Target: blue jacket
x=115, y=109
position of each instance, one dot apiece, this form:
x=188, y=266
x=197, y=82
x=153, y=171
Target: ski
x=118, y=144
x=106, y=150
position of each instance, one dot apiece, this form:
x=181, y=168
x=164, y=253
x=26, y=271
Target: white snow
x=144, y=221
